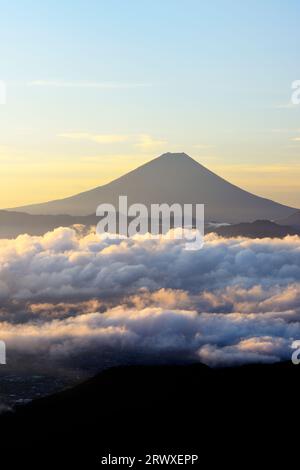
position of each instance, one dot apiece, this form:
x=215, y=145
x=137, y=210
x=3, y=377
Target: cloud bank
x=73, y=298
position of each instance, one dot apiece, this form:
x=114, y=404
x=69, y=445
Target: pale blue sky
x=95, y=88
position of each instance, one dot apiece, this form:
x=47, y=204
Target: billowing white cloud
x=69, y=296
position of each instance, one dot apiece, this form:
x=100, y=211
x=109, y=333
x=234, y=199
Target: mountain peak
x=180, y=159
x=176, y=155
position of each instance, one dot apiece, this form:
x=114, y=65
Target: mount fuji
x=170, y=178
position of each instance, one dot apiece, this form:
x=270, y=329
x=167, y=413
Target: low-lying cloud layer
x=72, y=298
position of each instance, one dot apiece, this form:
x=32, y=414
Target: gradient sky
x=95, y=88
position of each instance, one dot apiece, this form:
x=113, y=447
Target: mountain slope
x=292, y=220
x=171, y=178
x=141, y=410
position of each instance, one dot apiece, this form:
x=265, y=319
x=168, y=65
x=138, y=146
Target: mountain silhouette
x=257, y=229
x=13, y=224
x=223, y=415
x=292, y=220
x=170, y=178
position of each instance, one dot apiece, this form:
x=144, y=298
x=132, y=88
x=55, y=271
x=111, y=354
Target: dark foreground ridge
x=13, y=224
x=228, y=416
x=257, y=229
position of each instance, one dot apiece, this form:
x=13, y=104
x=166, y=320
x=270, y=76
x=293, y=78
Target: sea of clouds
x=71, y=298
